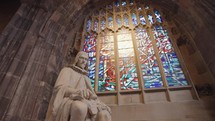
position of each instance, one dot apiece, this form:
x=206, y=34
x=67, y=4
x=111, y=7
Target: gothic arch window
x=131, y=52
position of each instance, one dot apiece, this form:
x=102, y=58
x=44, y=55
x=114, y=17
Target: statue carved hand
x=85, y=93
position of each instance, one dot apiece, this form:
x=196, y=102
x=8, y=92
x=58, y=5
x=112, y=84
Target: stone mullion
x=138, y=65
x=117, y=81
x=117, y=68
x=163, y=75
x=96, y=81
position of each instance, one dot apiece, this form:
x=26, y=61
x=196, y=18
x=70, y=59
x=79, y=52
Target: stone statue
x=73, y=98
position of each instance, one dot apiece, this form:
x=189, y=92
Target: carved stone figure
x=73, y=98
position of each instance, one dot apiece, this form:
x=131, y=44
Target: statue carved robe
x=70, y=82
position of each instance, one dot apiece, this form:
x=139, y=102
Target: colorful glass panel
x=96, y=25
x=134, y=19
x=126, y=21
x=158, y=16
x=150, y=18
x=131, y=2
x=107, y=77
x=103, y=13
x=116, y=3
x=147, y=7
x=110, y=21
x=172, y=68
x=123, y=2
x=149, y=65
x=142, y=20
x=139, y=8
x=118, y=21
x=90, y=48
x=88, y=27
x=127, y=66
x=103, y=24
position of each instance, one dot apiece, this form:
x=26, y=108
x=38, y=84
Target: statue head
x=81, y=60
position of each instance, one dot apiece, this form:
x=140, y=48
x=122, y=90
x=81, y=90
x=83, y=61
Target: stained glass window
x=172, y=68
x=88, y=27
x=116, y=3
x=129, y=57
x=139, y=8
x=123, y=2
x=134, y=19
x=131, y=2
x=147, y=7
x=96, y=25
x=128, y=73
x=158, y=16
x=107, y=76
x=110, y=21
x=126, y=21
x=118, y=21
x=103, y=23
x=150, y=18
x=148, y=61
x=103, y=12
x=90, y=48
x=142, y=19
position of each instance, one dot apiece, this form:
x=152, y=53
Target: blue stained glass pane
x=90, y=48
x=134, y=18
x=131, y=2
x=110, y=21
x=148, y=61
x=150, y=18
x=96, y=24
x=123, y=2
x=107, y=77
x=116, y=3
x=103, y=13
x=103, y=24
x=158, y=16
x=118, y=21
x=126, y=21
x=88, y=25
x=173, y=71
x=147, y=7
x=127, y=66
x=142, y=20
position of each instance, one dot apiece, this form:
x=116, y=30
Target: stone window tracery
x=130, y=50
